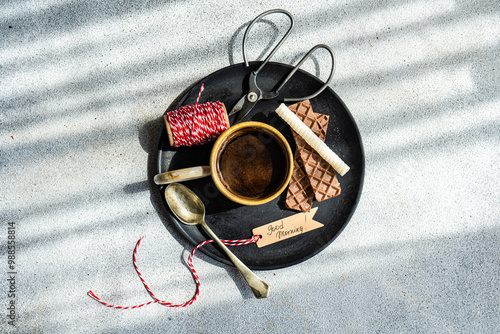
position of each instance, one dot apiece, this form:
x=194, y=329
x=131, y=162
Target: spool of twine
x=196, y=124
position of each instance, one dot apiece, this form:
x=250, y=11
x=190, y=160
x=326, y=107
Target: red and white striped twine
x=238, y=242
x=197, y=124
x=199, y=94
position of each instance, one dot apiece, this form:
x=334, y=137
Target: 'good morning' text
x=280, y=233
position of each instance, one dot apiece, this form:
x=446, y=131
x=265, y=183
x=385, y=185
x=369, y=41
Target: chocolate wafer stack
x=312, y=175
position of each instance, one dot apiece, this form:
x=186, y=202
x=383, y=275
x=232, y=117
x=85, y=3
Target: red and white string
x=197, y=124
x=238, y=242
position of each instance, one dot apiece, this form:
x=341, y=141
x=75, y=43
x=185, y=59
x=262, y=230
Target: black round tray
x=230, y=220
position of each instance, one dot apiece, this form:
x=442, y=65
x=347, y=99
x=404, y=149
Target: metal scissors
x=255, y=94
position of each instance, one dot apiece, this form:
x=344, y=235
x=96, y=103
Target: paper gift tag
x=286, y=228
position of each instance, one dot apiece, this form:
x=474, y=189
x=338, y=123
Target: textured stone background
x=84, y=83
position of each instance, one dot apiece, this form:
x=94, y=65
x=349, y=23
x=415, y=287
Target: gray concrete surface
x=83, y=84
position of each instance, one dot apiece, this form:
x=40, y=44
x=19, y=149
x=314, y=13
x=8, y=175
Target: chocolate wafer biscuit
x=321, y=175
x=299, y=194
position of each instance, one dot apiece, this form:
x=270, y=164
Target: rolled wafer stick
x=308, y=135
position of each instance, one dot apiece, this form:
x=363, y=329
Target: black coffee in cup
x=252, y=164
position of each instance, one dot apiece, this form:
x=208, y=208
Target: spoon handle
x=259, y=288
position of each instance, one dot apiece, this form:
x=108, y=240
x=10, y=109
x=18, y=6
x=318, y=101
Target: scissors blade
x=238, y=106
x=247, y=107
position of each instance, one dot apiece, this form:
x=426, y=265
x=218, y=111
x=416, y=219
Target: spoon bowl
x=189, y=209
x=185, y=205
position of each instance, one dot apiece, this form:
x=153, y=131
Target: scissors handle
x=272, y=11
x=292, y=72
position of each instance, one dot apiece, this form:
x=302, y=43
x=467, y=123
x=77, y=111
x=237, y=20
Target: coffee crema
x=252, y=164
